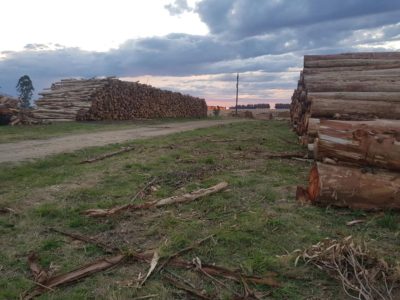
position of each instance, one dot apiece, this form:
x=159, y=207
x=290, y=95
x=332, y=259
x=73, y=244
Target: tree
x=25, y=89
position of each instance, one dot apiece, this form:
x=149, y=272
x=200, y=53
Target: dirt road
x=25, y=150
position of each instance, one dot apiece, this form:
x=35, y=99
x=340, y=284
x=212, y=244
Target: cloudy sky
x=191, y=46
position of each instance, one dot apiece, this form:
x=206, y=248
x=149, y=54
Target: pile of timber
x=113, y=99
x=352, y=86
x=12, y=114
x=347, y=109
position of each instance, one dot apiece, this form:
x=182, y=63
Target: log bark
x=351, y=62
x=354, y=110
x=352, y=96
x=343, y=186
x=353, y=86
x=358, y=55
x=374, y=143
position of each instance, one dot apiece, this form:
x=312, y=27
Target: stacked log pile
x=12, y=114
x=354, y=86
x=347, y=109
x=112, y=99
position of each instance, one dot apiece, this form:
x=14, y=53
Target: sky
x=192, y=46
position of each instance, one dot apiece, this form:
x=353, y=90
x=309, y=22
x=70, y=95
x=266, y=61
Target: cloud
x=263, y=40
x=178, y=7
x=248, y=17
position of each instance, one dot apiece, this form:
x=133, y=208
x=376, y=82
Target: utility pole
x=237, y=92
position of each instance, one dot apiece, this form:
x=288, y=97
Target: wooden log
x=308, y=71
x=371, y=96
x=374, y=143
x=353, y=110
x=353, y=86
x=358, y=55
x=350, y=63
x=313, y=127
x=344, y=186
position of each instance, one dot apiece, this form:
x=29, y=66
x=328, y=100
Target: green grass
x=255, y=222
x=10, y=134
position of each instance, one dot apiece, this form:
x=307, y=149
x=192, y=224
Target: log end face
x=313, y=184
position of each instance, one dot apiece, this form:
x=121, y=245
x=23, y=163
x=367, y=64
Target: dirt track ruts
x=31, y=149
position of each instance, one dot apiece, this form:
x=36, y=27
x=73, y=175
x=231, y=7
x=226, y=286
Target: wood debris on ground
x=45, y=282
x=189, y=197
x=107, y=155
x=363, y=275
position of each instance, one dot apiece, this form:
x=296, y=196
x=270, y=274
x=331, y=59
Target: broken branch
x=180, y=252
x=158, y=203
x=153, y=264
x=87, y=239
x=190, y=290
x=75, y=275
x=106, y=155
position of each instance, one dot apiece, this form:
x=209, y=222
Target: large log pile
x=112, y=99
x=347, y=109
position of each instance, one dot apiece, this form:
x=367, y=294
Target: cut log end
x=313, y=184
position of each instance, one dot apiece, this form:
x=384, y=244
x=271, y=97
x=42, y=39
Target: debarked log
x=365, y=143
x=343, y=186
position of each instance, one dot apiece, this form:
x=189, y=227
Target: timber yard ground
x=256, y=222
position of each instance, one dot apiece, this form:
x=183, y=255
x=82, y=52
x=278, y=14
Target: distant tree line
x=282, y=106
x=251, y=106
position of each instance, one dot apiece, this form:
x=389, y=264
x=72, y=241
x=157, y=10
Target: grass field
x=10, y=134
x=256, y=222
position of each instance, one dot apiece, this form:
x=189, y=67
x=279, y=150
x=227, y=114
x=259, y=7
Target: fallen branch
x=140, y=194
x=4, y=210
x=188, y=289
x=214, y=270
x=354, y=222
x=269, y=155
x=199, y=268
x=153, y=265
x=184, y=250
x=106, y=155
x=158, y=203
x=284, y=155
x=87, y=239
x=39, y=274
x=145, y=297
x=75, y=275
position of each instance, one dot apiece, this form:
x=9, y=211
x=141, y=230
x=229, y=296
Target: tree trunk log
x=358, y=55
x=352, y=96
x=353, y=86
x=350, y=187
x=374, y=143
x=351, y=63
x=354, y=110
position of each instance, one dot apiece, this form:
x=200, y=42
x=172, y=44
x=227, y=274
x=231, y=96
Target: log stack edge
x=346, y=109
x=113, y=99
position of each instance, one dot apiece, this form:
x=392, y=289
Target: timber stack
x=12, y=114
x=346, y=108
x=113, y=99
